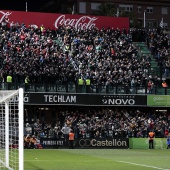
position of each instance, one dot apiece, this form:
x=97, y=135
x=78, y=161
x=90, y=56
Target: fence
x=74, y=88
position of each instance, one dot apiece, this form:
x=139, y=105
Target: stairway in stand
x=144, y=51
x=155, y=70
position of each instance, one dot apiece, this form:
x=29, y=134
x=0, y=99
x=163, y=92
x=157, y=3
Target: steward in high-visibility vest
x=80, y=81
x=164, y=84
x=9, y=82
x=26, y=80
x=87, y=82
x=88, y=85
x=9, y=79
x=26, y=83
x=71, y=139
x=67, y=47
x=71, y=136
x=42, y=28
x=151, y=136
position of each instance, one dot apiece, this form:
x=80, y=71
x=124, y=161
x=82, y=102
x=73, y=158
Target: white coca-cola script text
x=84, y=22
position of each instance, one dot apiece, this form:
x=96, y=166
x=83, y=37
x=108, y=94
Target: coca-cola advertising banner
x=53, y=21
x=84, y=99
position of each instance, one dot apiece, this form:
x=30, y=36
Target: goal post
x=11, y=130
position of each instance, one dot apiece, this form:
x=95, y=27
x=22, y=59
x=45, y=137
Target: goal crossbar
x=6, y=95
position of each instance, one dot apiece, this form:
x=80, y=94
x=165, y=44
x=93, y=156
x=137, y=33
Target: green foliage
x=130, y=15
x=106, y=9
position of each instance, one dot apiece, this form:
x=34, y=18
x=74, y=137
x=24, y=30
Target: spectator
x=33, y=142
x=65, y=130
x=107, y=122
x=168, y=141
x=166, y=133
x=27, y=142
x=104, y=55
x=164, y=84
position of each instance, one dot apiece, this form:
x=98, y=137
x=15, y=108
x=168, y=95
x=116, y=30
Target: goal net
x=11, y=130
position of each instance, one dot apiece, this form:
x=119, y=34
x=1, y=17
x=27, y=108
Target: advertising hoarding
x=158, y=100
x=84, y=99
x=53, y=21
x=143, y=143
x=87, y=143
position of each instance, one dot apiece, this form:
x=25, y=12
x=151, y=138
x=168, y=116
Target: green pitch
x=96, y=159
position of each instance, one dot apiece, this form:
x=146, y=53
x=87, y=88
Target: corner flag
x=161, y=23
x=73, y=10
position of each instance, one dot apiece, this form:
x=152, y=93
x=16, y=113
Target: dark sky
x=32, y=5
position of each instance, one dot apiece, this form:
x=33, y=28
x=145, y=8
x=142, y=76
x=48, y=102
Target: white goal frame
x=12, y=156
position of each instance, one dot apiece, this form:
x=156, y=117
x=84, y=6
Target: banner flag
x=161, y=23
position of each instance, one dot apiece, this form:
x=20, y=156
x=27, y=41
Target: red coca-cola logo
x=4, y=14
x=84, y=22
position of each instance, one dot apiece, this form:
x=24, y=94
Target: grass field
x=96, y=159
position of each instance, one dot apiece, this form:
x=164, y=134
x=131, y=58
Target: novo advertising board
x=118, y=100
x=158, y=100
x=53, y=21
x=84, y=99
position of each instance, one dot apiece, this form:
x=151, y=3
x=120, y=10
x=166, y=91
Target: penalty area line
x=148, y=166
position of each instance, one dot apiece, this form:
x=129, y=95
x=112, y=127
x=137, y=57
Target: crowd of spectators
x=158, y=42
x=106, y=56
x=90, y=122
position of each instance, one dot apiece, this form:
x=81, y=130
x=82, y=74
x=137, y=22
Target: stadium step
x=161, y=91
x=144, y=51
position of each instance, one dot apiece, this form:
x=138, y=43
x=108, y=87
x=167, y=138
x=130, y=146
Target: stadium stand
x=133, y=61
x=108, y=57
x=103, y=122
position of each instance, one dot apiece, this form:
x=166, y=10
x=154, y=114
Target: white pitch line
x=154, y=167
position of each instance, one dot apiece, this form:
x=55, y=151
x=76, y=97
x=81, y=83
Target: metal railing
x=74, y=88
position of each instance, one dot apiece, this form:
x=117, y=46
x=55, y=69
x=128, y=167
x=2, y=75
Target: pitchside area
x=96, y=159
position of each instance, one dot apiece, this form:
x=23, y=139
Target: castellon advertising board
x=53, y=21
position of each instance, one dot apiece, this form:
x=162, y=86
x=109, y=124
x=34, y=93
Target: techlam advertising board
x=53, y=21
